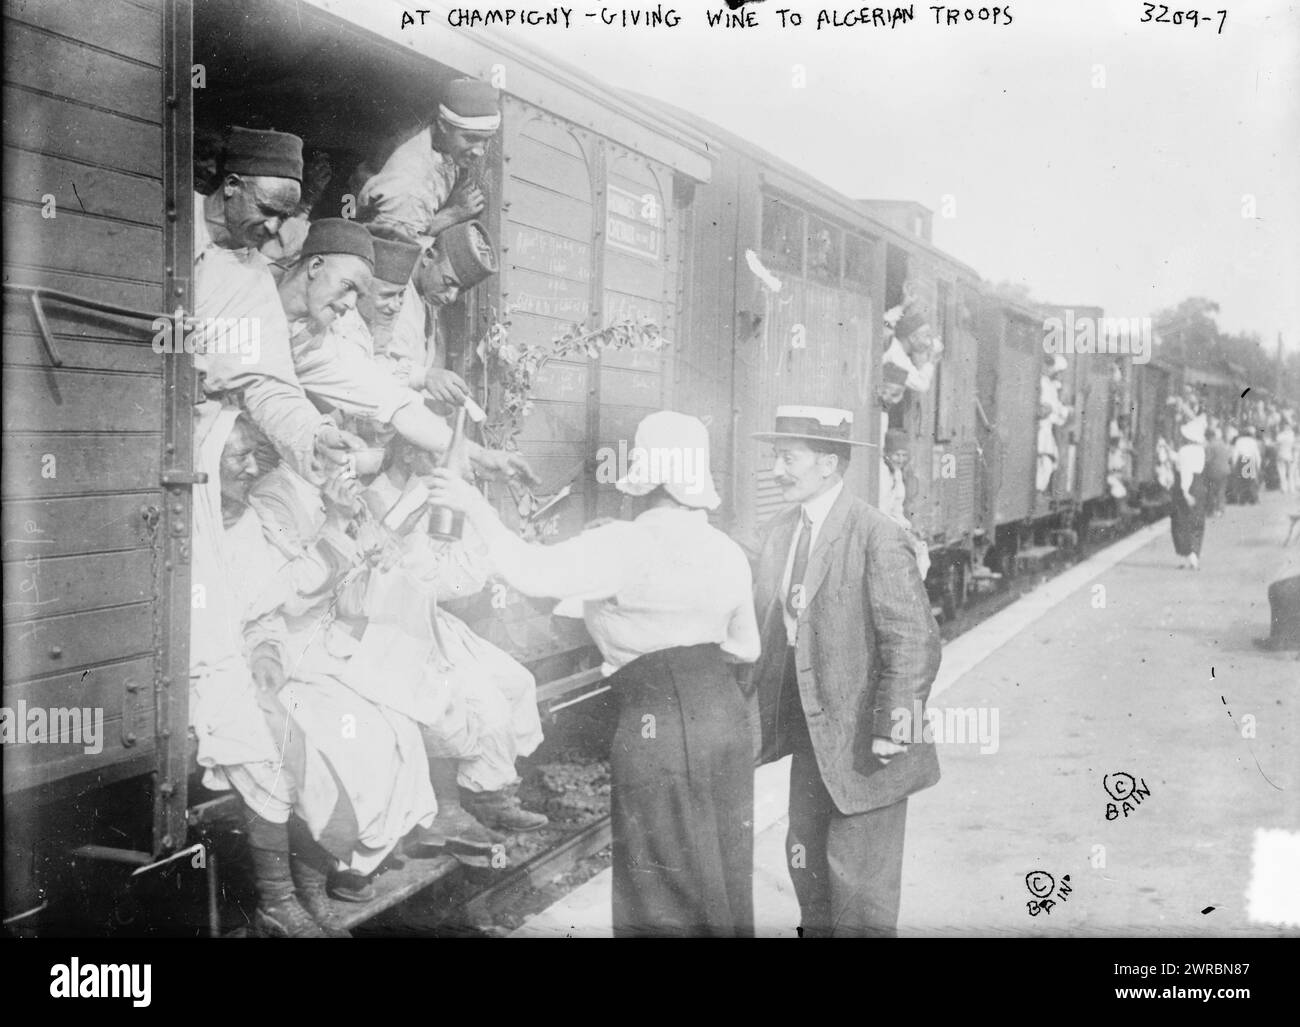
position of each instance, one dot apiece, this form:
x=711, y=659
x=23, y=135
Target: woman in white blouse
x=668, y=599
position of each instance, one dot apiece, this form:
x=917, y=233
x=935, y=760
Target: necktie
x=795, y=599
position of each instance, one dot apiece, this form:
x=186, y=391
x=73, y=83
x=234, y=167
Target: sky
x=1095, y=158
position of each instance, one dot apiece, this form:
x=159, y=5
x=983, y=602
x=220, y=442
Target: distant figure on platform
x=1286, y=452
x=1218, y=466
x=1284, y=612
x=1187, y=512
x=1246, y=460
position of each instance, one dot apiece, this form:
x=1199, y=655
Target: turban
x=471, y=105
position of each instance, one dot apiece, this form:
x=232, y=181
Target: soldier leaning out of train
x=258, y=186
x=329, y=779
x=335, y=268
x=426, y=184
x=915, y=349
x=1052, y=413
x=410, y=345
x=893, y=492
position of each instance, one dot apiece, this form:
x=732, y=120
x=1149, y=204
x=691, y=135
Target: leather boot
x=453, y=828
x=501, y=810
x=309, y=866
x=278, y=913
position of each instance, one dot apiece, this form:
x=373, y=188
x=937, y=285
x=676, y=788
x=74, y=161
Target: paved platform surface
x=1123, y=665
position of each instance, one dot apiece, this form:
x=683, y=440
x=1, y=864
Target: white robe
x=356, y=773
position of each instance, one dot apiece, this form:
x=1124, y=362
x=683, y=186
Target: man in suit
x=848, y=640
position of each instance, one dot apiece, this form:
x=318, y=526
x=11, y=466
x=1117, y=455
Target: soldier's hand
x=498, y=463
x=334, y=446
x=446, y=387
x=466, y=200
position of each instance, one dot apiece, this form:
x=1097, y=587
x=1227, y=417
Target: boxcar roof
x=799, y=183
x=538, y=78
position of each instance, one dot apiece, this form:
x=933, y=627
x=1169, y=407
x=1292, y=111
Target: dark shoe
x=349, y=886
x=501, y=810
x=453, y=828
x=309, y=866
x=285, y=919
x=278, y=913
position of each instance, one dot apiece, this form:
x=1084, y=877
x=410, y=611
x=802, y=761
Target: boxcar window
x=824, y=244
x=783, y=236
x=857, y=260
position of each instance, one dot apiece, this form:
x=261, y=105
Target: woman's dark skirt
x=1187, y=523
x=682, y=771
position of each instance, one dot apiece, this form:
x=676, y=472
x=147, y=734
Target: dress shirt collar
x=817, y=509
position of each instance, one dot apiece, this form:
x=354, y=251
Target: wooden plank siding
x=82, y=442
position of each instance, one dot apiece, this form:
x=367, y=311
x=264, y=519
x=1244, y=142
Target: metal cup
x=445, y=524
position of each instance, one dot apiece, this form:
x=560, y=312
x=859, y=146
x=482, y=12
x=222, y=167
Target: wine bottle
x=446, y=524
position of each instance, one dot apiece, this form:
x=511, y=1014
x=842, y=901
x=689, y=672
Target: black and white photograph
x=758, y=469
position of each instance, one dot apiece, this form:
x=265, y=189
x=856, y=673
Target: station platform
x=1122, y=665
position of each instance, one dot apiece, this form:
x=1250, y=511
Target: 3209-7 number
x=1193, y=18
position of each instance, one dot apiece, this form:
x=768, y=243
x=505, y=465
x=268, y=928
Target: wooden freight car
x=584, y=190
x=787, y=285
x=97, y=425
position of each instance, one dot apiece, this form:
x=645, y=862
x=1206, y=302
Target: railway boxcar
x=1011, y=360
x=584, y=192
x=784, y=295
x=97, y=424
x=941, y=422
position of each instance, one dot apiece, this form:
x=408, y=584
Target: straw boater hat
x=672, y=450
x=812, y=424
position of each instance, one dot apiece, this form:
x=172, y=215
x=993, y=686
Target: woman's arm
x=593, y=565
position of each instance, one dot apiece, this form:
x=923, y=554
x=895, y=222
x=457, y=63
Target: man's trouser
x=847, y=870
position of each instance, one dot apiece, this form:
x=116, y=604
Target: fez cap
x=893, y=374
x=338, y=235
x=896, y=439
x=469, y=250
x=812, y=424
x=908, y=323
x=253, y=151
x=472, y=105
x=394, y=261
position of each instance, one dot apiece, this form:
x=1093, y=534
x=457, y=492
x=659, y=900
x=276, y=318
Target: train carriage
x=97, y=424
x=606, y=208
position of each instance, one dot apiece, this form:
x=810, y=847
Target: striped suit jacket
x=867, y=645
